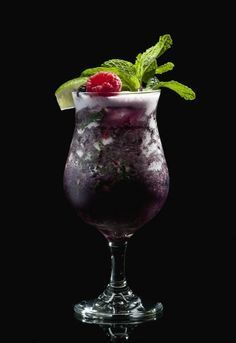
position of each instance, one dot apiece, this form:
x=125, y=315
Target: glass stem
x=118, y=279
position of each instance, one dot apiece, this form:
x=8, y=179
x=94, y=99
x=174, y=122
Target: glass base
x=114, y=306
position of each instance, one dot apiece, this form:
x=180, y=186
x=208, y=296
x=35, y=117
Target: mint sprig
x=144, y=60
x=184, y=91
x=142, y=74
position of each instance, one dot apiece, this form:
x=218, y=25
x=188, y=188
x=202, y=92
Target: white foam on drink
x=147, y=100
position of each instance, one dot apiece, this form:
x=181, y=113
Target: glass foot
x=113, y=306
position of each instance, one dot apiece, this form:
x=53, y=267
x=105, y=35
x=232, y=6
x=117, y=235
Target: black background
x=181, y=257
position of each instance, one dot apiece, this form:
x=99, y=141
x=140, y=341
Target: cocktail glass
x=117, y=180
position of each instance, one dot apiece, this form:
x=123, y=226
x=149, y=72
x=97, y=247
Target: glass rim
x=118, y=93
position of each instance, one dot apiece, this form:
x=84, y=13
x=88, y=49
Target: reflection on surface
x=118, y=332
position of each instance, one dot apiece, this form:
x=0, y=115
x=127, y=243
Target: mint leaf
x=164, y=68
x=144, y=60
x=127, y=72
x=92, y=71
x=139, y=66
x=150, y=72
x=122, y=65
x=184, y=91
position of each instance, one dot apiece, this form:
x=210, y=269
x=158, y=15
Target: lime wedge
x=64, y=92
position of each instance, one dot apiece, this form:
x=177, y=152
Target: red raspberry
x=103, y=83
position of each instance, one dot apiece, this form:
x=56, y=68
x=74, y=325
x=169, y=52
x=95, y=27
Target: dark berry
x=82, y=88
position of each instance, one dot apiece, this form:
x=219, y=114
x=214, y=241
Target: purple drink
x=116, y=175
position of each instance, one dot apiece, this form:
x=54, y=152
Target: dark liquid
x=116, y=175
x=119, y=209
